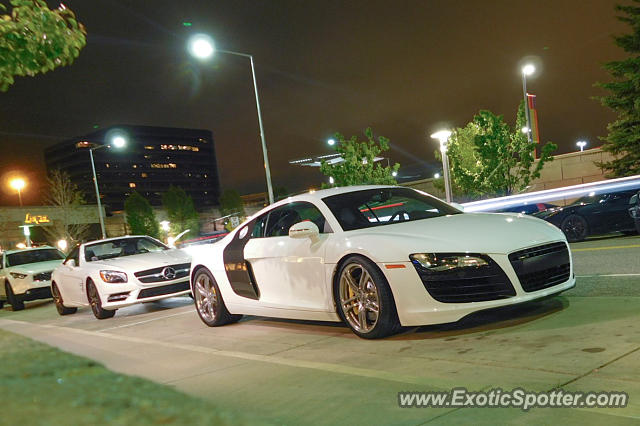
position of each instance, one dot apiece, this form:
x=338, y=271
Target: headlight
x=445, y=262
x=113, y=276
x=18, y=275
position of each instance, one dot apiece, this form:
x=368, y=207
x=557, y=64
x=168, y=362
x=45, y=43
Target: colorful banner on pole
x=535, y=131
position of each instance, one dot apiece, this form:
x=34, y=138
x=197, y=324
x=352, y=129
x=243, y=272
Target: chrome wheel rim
x=574, y=228
x=56, y=295
x=206, y=297
x=94, y=299
x=359, y=298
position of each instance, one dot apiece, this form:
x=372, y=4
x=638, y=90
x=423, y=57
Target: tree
x=623, y=140
x=489, y=158
x=66, y=197
x=231, y=203
x=359, y=167
x=35, y=39
x=181, y=212
x=140, y=216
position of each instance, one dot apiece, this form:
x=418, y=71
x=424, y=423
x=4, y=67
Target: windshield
x=122, y=247
x=383, y=206
x=33, y=256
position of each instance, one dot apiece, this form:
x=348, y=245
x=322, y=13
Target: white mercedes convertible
x=377, y=258
x=117, y=272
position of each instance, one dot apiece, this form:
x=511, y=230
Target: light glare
x=201, y=46
x=528, y=69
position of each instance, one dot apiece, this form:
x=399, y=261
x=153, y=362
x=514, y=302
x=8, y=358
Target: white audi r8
x=25, y=274
x=117, y=272
x=377, y=258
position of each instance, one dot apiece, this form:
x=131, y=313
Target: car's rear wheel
x=575, y=228
x=208, y=300
x=16, y=303
x=96, y=303
x=57, y=299
x=364, y=299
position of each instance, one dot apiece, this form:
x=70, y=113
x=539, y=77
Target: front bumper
x=416, y=307
x=115, y=296
x=27, y=289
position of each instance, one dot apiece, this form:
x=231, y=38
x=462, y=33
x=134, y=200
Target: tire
x=208, y=300
x=575, y=228
x=57, y=299
x=16, y=303
x=359, y=289
x=1, y=304
x=96, y=304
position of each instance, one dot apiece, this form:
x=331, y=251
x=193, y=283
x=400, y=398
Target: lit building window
x=149, y=147
x=179, y=148
x=107, y=165
x=132, y=185
x=144, y=175
x=135, y=166
x=163, y=165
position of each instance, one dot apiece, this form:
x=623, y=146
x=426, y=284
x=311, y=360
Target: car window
x=33, y=256
x=375, y=207
x=121, y=247
x=258, y=228
x=282, y=218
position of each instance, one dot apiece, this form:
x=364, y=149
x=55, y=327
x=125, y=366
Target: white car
x=377, y=258
x=25, y=274
x=117, y=272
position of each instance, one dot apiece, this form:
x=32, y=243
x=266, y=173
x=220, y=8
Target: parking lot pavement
x=295, y=372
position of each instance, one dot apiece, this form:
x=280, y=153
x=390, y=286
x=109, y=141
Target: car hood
x=140, y=262
x=469, y=232
x=36, y=268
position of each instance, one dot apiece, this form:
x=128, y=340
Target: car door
x=72, y=285
x=2, y=277
x=289, y=273
x=618, y=210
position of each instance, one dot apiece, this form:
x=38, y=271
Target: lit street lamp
x=331, y=142
x=526, y=71
x=118, y=141
x=18, y=184
x=202, y=47
x=581, y=145
x=443, y=136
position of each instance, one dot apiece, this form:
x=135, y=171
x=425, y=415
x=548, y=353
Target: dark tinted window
x=282, y=218
x=375, y=207
x=33, y=256
x=258, y=228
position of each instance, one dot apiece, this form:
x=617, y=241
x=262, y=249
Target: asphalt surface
x=298, y=372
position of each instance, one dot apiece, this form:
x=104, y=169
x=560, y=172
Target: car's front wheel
x=96, y=303
x=57, y=299
x=364, y=299
x=575, y=228
x=208, y=300
x=16, y=303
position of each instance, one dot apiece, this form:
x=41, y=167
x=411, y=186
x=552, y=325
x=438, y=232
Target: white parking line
x=323, y=366
x=190, y=311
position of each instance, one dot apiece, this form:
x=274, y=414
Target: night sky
x=405, y=68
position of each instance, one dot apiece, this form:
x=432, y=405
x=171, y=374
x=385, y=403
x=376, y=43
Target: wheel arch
x=340, y=264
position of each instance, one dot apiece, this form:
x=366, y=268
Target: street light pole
x=265, y=155
x=443, y=136
x=18, y=184
x=202, y=47
x=119, y=141
x=95, y=182
x=527, y=70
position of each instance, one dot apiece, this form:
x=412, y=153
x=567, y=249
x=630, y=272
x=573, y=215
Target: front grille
x=163, y=289
x=42, y=276
x=542, y=266
x=469, y=284
x=157, y=275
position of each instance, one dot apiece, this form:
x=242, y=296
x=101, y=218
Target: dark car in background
x=593, y=214
x=528, y=208
x=634, y=210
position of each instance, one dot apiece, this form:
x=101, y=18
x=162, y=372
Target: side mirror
x=457, y=206
x=634, y=199
x=306, y=229
x=70, y=263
